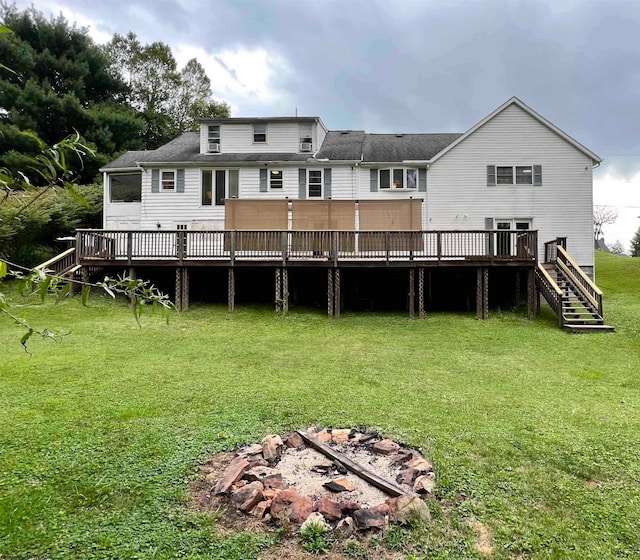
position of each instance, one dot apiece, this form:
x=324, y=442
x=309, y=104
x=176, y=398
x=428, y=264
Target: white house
x=513, y=170
x=496, y=202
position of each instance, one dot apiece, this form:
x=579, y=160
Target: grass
x=534, y=433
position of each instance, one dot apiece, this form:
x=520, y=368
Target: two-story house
x=277, y=189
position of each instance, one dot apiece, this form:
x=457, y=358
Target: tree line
x=124, y=95
x=55, y=81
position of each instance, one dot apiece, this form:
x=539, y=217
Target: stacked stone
x=256, y=487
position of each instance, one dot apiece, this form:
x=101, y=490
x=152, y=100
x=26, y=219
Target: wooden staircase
x=64, y=266
x=576, y=300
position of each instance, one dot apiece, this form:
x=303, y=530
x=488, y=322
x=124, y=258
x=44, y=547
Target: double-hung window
x=398, y=178
x=514, y=175
x=218, y=184
x=275, y=178
x=260, y=133
x=213, y=137
x=315, y=183
x=168, y=180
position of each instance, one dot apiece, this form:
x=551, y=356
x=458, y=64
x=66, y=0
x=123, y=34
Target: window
x=514, y=175
x=125, y=187
x=504, y=175
x=398, y=178
x=213, y=135
x=168, y=180
x=524, y=175
x=218, y=184
x=315, y=183
x=275, y=179
x=306, y=138
x=260, y=133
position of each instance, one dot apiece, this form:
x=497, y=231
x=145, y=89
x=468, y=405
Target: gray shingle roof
x=127, y=160
x=347, y=145
x=404, y=147
x=342, y=145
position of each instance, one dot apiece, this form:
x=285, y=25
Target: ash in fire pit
x=348, y=478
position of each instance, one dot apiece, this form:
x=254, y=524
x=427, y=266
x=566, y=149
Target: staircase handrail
x=50, y=264
x=594, y=300
x=581, y=280
x=551, y=291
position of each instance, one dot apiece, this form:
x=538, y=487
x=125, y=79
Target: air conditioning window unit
x=306, y=146
x=214, y=147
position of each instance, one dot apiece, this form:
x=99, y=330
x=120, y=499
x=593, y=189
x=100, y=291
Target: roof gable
x=537, y=116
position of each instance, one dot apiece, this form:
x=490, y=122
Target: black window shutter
x=263, y=180
x=373, y=180
x=491, y=175
x=302, y=184
x=537, y=175
x=155, y=180
x=327, y=183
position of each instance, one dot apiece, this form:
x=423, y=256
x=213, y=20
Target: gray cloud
x=434, y=66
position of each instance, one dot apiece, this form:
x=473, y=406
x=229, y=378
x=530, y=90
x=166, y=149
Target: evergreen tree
x=635, y=244
x=59, y=83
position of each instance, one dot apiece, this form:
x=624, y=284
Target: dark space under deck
x=340, y=271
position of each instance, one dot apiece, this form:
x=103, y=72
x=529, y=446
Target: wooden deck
x=186, y=248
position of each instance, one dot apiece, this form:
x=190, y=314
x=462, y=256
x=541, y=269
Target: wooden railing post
x=232, y=247
x=129, y=246
x=284, y=246
x=334, y=247
x=439, y=245
x=386, y=245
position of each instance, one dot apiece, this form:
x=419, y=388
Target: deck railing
x=306, y=245
x=60, y=263
x=579, y=279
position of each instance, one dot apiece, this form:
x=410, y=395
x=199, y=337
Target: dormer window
x=213, y=138
x=260, y=133
x=306, y=137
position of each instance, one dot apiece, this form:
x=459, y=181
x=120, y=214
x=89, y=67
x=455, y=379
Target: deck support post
x=517, y=288
x=412, y=295
x=421, y=293
x=532, y=296
x=485, y=293
x=282, y=290
x=482, y=293
x=278, y=297
x=132, y=273
x=330, y=293
x=285, y=291
x=182, y=288
x=231, y=290
x=336, y=293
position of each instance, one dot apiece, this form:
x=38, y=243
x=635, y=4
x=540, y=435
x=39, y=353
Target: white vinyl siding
x=281, y=138
x=459, y=198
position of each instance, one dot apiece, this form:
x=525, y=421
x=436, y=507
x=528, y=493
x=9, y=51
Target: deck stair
x=576, y=300
x=63, y=266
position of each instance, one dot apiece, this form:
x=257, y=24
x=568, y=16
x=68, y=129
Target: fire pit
x=346, y=479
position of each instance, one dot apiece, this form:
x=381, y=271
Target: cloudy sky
x=412, y=65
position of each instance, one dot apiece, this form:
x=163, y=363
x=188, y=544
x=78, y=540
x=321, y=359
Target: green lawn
x=534, y=433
